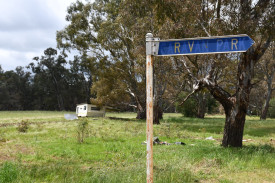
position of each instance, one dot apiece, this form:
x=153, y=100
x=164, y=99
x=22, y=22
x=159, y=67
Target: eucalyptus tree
x=15, y=89
x=113, y=33
x=235, y=17
x=79, y=79
x=49, y=79
x=268, y=69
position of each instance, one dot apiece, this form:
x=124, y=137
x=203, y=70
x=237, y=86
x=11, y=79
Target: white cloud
x=13, y=59
x=27, y=28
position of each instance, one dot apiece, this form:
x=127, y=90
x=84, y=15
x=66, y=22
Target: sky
x=27, y=28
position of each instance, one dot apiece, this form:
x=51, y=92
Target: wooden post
x=149, y=106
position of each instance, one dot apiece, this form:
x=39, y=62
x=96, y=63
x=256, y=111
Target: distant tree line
x=50, y=82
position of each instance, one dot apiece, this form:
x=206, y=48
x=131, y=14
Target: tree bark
x=141, y=114
x=235, y=106
x=141, y=111
x=268, y=96
x=201, y=105
x=158, y=114
x=235, y=115
x=266, y=104
x=234, y=127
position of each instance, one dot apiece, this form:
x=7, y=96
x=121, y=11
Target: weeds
x=2, y=136
x=23, y=126
x=82, y=129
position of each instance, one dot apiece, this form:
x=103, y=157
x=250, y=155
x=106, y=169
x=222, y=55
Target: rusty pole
x=149, y=106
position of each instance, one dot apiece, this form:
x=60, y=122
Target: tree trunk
x=266, y=105
x=141, y=114
x=158, y=114
x=201, y=105
x=235, y=106
x=268, y=96
x=235, y=113
x=234, y=127
x=141, y=111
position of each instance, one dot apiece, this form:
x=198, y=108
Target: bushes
x=197, y=105
x=189, y=108
x=23, y=126
x=271, y=109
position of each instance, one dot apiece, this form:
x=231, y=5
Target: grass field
x=113, y=151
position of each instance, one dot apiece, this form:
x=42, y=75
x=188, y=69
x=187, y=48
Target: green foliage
x=8, y=172
x=189, y=108
x=271, y=109
x=23, y=126
x=212, y=105
x=49, y=84
x=82, y=129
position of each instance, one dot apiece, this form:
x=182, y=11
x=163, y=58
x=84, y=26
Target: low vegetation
x=113, y=150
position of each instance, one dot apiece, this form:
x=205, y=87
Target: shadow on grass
x=260, y=131
x=229, y=154
x=264, y=149
x=210, y=125
x=127, y=119
x=216, y=125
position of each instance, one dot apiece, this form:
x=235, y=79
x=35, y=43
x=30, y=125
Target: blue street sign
x=207, y=45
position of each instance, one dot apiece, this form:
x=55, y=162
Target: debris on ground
x=156, y=141
x=70, y=116
x=209, y=138
x=244, y=140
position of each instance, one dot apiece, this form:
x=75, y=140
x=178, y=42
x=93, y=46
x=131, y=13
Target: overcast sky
x=27, y=28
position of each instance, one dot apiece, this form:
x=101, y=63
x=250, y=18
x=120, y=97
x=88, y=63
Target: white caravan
x=89, y=110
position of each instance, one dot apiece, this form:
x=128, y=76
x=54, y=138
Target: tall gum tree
x=268, y=68
x=238, y=17
x=113, y=33
x=228, y=18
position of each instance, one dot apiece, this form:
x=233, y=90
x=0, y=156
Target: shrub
x=189, y=108
x=23, y=126
x=82, y=129
x=2, y=136
x=271, y=109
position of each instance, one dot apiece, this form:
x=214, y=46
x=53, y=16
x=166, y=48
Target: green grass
x=33, y=116
x=113, y=152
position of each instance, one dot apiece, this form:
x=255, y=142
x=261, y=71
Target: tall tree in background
x=3, y=90
x=51, y=68
x=268, y=68
x=15, y=90
x=111, y=38
x=79, y=80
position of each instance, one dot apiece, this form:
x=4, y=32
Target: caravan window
x=84, y=108
x=95, y=108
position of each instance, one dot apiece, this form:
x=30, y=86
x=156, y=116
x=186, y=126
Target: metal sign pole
x=149, y=106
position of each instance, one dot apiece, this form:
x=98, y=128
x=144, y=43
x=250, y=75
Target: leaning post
x=149, y=105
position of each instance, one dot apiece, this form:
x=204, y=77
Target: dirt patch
x=10, y=152
x=272, y=142
x=23, y=149
x=6, y=157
